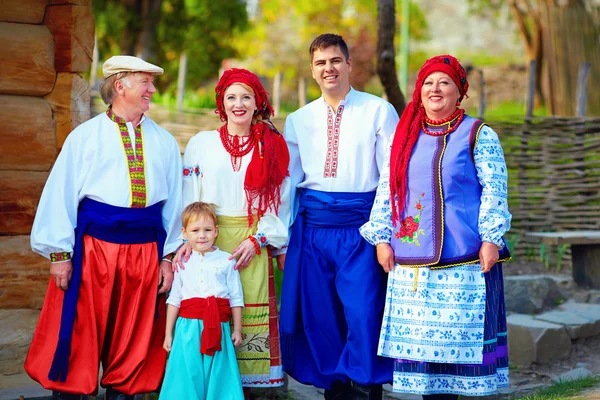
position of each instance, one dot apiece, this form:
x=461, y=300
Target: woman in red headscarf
x=438, y=223
x=241, y=168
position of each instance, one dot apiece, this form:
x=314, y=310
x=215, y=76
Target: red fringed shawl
x=270, y=158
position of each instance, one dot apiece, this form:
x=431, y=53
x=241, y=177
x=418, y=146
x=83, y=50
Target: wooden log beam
x=70, y=102
x=20, y=193
x=73, y=29
x=26, y=59
x=23, y=11
x=87, y=3
x=24, y=274
x=26, y=134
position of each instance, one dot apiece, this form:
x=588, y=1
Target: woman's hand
x=488, y=256
x=182, y=256
x=61, y=273
x=385, y=256
x=244, y=253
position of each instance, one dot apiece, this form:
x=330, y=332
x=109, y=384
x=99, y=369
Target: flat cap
x=117, y=64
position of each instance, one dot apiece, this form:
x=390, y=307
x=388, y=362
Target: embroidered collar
x=120, y=120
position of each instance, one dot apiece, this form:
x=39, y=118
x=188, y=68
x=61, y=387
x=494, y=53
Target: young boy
x=202, y=363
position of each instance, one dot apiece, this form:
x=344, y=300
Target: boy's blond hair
x=193, y=212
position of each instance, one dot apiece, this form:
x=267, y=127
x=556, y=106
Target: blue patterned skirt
x=446, y=330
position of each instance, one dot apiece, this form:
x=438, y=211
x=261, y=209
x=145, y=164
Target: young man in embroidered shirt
x=108, y=214
x=333, y=289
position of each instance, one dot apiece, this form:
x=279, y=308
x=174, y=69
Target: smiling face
x=201, y=233
x=136, y=99
x=331, y=70
x=439, y=95
x=240, y=104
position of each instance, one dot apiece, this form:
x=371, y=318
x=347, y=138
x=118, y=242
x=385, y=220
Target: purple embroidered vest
x=440, y=219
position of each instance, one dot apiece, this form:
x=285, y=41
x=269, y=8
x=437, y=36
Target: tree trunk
x=146, y=40
x=386, y=63
x=570, y=37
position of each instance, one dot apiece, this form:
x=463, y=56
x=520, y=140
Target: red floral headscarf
x=270, y=157
x=407, y=131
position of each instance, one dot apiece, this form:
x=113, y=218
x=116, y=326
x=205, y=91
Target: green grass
x=564, y=389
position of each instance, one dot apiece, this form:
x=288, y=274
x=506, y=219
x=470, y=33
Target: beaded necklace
x=236, y=146
x=453, y=121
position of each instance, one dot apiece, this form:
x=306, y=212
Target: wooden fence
x=554, y=179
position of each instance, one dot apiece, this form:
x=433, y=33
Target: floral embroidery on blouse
x=261, y=238
x=191, y=171
x=409, y=227
x=62, y=256
x=494, y=216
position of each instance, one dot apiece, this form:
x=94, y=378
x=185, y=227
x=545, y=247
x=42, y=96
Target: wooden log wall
x=46, y=44
x=554, y=178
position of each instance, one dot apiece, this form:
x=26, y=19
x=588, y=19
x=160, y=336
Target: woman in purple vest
x=438, y=223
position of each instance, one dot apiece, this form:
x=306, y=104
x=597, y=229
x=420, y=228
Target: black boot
x=112, y=394
x=370, y=392
x=65, y=396
x=338, y=391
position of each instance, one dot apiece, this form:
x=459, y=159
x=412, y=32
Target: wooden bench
x=585, y=251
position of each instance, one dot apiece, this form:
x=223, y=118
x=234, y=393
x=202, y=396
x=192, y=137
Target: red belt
x=212, y=311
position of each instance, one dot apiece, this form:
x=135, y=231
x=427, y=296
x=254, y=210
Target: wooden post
x=277, y=93
x=531, y=90
x=181, y=81
x=302, y=91
x=582, y=78
x=481, y=96
x=94, y=63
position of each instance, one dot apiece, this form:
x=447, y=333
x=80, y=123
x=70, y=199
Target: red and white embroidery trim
x=333, y=141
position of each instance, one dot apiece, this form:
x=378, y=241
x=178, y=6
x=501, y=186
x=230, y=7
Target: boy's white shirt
x=211, y=274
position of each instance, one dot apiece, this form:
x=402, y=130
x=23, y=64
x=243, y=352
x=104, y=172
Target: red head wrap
x=407, y=131
x=270, y=157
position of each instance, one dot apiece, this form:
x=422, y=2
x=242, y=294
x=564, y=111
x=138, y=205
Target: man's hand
x=385, y=256
x=61, y=273
x=165, y=276
x=182, y=256
x=488, y=256
x=280, y=261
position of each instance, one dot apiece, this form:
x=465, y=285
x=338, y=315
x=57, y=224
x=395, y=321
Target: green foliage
x=203, y=29
x=192, y=100
x=281, y=32
x=564, y=389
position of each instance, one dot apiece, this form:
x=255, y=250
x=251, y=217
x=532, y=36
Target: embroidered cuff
x=261, y=239
x=58, y=257
x=169, y=257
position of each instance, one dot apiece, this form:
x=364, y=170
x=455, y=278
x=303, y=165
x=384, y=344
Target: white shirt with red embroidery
x=337, y=150
x=92, y=163
x=208, y=176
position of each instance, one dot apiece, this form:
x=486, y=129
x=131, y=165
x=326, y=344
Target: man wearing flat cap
x=108, y=221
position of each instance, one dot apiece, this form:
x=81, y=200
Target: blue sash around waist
x=112, y=224
x=317, y=210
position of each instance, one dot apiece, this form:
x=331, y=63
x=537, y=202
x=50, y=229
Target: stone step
x=547, y=337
